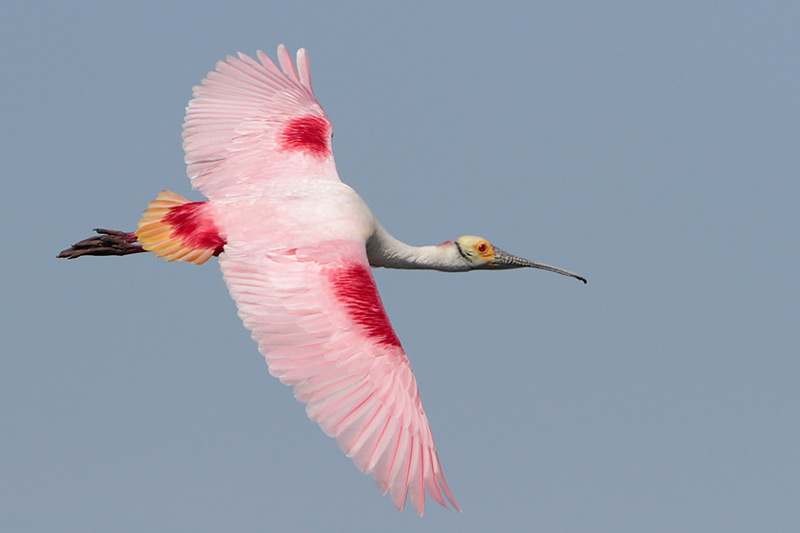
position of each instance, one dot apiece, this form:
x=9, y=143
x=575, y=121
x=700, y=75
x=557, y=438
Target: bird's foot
x=108, y=242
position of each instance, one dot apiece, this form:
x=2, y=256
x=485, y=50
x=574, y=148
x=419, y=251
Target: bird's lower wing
x=319, y=321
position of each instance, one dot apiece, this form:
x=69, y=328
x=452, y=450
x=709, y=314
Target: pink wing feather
x=258, y=145
x=251, y=124
x=319, y=321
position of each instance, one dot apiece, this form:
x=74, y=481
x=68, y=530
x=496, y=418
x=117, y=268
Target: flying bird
x=295, y=246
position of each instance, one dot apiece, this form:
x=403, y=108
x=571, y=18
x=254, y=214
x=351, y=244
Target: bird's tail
x=177, y=229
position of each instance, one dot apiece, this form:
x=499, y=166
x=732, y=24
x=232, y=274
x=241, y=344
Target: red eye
x=482, y=247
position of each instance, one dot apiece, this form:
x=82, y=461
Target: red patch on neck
x=193, y=225
x=355, y=288
x=308, y=134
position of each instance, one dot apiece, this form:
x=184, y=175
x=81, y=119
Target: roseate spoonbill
x=295, y=245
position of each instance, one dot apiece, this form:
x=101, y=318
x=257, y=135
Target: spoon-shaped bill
x=503, y=259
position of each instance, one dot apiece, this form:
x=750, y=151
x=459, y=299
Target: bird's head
x=481, y=254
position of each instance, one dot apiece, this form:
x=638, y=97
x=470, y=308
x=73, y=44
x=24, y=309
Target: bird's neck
x=383, y=250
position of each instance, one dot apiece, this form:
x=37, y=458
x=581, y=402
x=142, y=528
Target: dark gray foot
x=108, y=242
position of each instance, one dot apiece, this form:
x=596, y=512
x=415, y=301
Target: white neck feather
x=383, y=250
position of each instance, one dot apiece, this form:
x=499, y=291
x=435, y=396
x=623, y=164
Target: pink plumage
x=237, y=123
x=295, y=246
x=258, y=145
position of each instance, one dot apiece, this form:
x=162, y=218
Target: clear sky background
x=653, y=148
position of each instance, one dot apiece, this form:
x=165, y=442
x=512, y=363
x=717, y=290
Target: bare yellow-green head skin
x=481, y=254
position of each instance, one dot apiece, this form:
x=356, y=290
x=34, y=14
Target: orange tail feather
x=177, y=229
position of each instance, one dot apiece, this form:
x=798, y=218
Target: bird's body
x=295, y=247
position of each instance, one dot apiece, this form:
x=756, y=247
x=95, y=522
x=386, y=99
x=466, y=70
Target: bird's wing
x=250, y=126
x=319, y=321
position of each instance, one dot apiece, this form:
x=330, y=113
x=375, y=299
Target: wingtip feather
x=304, y=69
x=285, y=61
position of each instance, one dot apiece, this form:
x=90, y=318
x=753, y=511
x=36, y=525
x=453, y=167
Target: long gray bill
x=503, y=259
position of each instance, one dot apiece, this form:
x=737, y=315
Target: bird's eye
x=482, y=247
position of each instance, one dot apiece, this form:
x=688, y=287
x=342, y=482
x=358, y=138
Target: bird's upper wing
x=250, y=126
x=319, y=321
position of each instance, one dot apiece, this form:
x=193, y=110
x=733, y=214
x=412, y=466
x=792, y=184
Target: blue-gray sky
x=653, y=148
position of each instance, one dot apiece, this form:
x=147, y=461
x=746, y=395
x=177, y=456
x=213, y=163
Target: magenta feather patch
x=308, y=134
x=355, y=288
x=193, y=225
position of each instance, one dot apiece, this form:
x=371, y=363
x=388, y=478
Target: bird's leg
x=108, y=242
